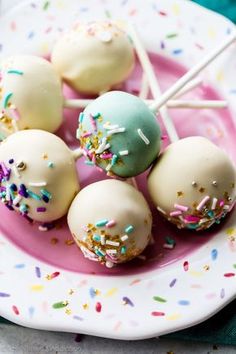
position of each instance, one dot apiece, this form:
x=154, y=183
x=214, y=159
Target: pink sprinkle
x=111, y=223
x=41, y=209
x=85, y=135
x=222, y=203
x=106, y=156
x=16, y=114
x=181, y=207
x=13, y=26
x=176, y=213
x=157, y=313
x=188, y=219
x=203, y=202
x=15, y=310
x=54, y=275
x=98, y=307
x=94, y=124
x=164, y=137
x=186, y=266
x=229, y=275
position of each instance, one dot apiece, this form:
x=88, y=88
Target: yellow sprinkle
x=211, y=33
x=69, y=242
x=85, y=306
x=45, y=156
x=176, y=9
x=68, y=311
x=230, y=231
x=220, y=76
x=37, y=287
x=111, y=292
x=195, y=273
x=173, y=317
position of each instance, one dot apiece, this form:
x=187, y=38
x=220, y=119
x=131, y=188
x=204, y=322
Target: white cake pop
x=37, y=175
x=110, y=221
x=93, y=57
x=30, y=95
x=193, y=183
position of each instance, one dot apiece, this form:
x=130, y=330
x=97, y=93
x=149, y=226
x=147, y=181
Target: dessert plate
x=45, y=282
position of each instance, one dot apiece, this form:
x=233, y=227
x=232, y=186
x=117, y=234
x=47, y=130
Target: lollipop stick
x=144, y=87
x=77, y=153
x=82, y=103
x=153, y=83
x=193, y=72
x=189, y=87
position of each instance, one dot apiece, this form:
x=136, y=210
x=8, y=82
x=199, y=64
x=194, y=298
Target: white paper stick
x=189, y=87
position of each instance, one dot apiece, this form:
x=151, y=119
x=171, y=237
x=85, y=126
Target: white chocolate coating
x=40, y=163
x=193, y=183
x=125, y=218
x=94, y=57
x=30, y=95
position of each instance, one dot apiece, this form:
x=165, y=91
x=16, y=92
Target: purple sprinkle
x=214, y=254
x=4, y=295
x=13, y=187
x=162, y=45
x=222, y=293
x=23, y=191
x=41, y=210
x=9, y=207
x=128, y=301
x=45, y=198
x=92, y=292
x=78, y=318
x=172, y=283
x=177, y=51
x=78, y=337
x=38, y=272
x=11, y=161
x=184, y=302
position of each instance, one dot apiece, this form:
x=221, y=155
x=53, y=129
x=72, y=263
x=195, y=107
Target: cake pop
x=193, y=183
x=119, y=133
x=38, y=177
x=110, y=221
x=30, y=95
x=94, y=57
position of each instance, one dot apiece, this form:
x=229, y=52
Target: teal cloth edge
x=221, y=328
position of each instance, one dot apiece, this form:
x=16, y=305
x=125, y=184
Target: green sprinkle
x=47, y=193
x=171, y=35
x=50, y=164
x=192, y=226
x=89, y=163
x=2, y=136
x=96, y=115
x=23, y=208
x=159, y=299
x=170, y=240
x=81, y=117
x=33, y=195
x=17, y=72
x=60, y=305
x=123, y=250
x=129, y=229
x=210, y=213
x=101, y=223
x=96, y=238
x=46, y=5
x=234, y=265
x=114, y=160
x=99, y=253
x=6, y=99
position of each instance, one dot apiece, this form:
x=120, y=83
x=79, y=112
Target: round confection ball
x=37, y=175
x=110, y=221
x=193, y=183
x=93, y=57
x=120, y=134
x=30, y=94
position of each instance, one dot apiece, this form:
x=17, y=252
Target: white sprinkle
x=124, y=237
x=112, y=243
x=214, y=202
x=123, y=152
x=16, y=172
x=37, y=184
x=110, y=127
x=43, y=228
x=203, y=202
x=17, y=199
x=226, y=207
x=103, y=240
x=203, y=221
x=161, y=210
x=143, y=137
x=109, y=166
x=102, y=147
x=111, y=252
x=115, y=131
x=104, y=36
x=168, y=246
x=109, y=264
x=8, y=195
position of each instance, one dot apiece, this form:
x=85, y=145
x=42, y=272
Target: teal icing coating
x=135, y=130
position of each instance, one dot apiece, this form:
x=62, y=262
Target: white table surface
x=20, y=340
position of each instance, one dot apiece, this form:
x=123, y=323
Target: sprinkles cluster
x=15, y=196
x=100, y=245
